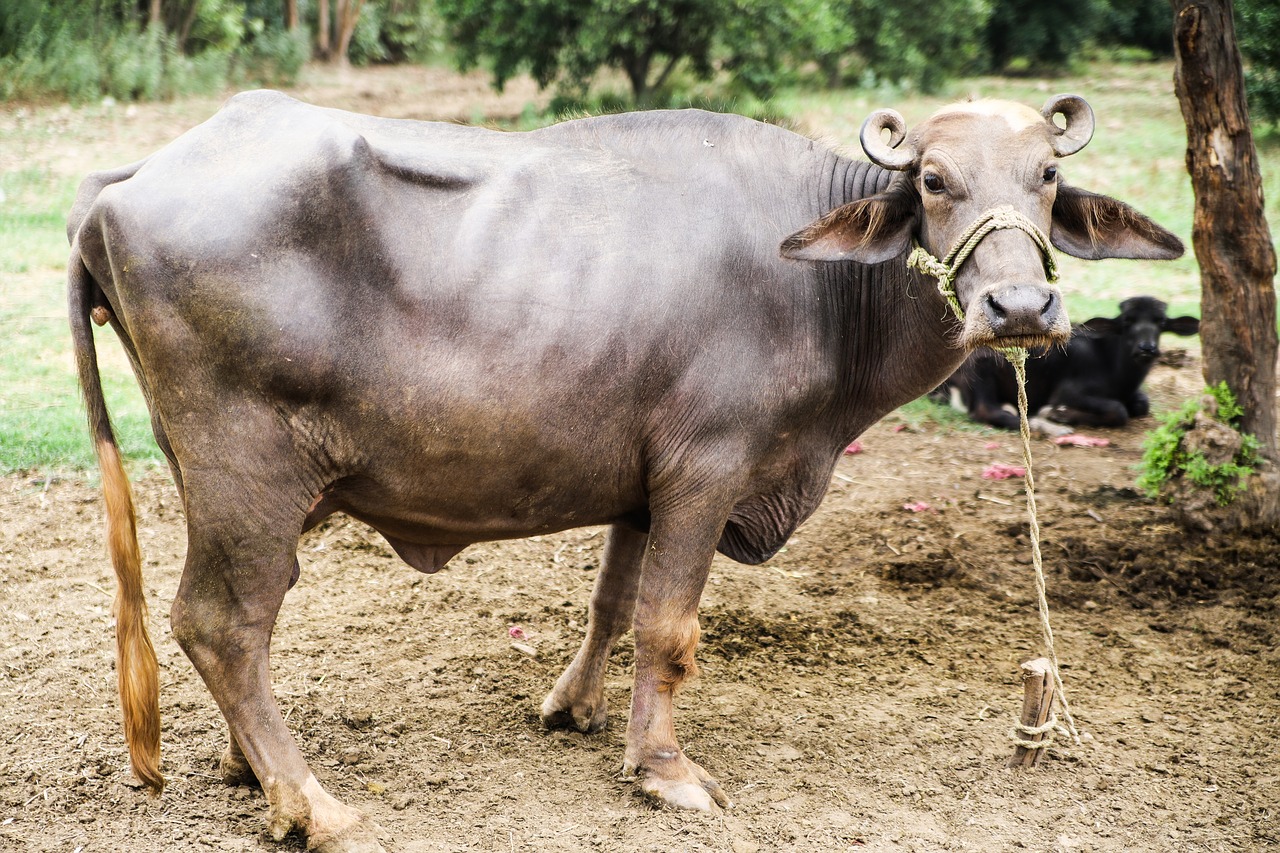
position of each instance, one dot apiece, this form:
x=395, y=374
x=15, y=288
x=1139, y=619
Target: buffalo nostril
x=1049, y=304
x=995, y=308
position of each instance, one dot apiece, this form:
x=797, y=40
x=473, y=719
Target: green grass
x=42, y=420
x=923, y=412
x=1136, y=155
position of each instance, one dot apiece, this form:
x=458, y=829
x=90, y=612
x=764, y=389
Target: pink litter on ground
x=1001, y=471
x=515, y=632
x=1077, y=440
x=856, y=447
x=899, y=427
x=918, y=506
x=991, y=445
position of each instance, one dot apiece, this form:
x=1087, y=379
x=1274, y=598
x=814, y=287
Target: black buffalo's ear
x=1091, y=226
x=868, y=231
x=1100, y=326
x=1181, y=325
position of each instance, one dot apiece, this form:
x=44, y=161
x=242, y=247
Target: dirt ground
x=857, y=692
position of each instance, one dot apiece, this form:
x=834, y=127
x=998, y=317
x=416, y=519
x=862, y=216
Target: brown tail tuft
x=136, y=666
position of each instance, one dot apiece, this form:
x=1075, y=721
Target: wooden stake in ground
x=1037, y=708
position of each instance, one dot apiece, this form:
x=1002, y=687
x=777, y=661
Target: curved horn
x=889, y=156
x=1079, y=130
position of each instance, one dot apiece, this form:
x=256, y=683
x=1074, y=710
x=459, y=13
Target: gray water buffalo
x=671, y=323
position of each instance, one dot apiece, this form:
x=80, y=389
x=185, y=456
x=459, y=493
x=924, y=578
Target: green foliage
x=70, y=50
x=1036, y=36
x=753, y=41
x=273, y=56
x=1258, y=35
x=1146, y=25
x=1165, y=457
x=411, y=30
x=919, y=43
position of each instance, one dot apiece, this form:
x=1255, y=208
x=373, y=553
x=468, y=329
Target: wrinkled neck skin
x=895, y=335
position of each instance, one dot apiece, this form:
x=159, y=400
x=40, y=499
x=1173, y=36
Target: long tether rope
x=945, y=272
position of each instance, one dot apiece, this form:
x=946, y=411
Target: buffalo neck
x=891, y=333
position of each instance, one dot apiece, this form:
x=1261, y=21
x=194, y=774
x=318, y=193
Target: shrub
x=273, y=57
x=1258, y=35
x=1168, y=455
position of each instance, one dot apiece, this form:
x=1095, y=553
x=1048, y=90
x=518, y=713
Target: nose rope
x=945, y=271
x=996, y=219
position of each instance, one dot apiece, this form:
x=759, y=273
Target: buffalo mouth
x=1041, y=341
x=1016, y=315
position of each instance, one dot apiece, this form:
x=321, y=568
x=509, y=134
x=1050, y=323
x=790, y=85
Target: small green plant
x=1167, y=456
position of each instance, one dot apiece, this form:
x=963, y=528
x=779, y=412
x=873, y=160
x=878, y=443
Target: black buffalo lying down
x=671, y=323
x=1095, y=380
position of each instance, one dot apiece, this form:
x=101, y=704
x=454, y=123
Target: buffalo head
x=957, y=169
x=1138, y=328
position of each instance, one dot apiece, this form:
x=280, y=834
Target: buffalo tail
x=136, y=666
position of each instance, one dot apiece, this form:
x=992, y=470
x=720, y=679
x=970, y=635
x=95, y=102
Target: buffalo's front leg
x=239, y=565
x=674, y=570
x=578, y=698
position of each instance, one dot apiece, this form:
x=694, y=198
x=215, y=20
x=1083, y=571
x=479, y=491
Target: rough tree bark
x=323, y=29
x=1230, y=234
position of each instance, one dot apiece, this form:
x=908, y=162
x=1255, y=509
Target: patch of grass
x=42, y=420
x=926, y=412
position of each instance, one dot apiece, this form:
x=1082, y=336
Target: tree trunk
x=322, y=29
x=637, y=68
x=346, y=13
x=291, y=15
x=1230, y=234
x=188, y=21
x=155, y=15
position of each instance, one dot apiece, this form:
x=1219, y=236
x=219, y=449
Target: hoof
x=328, y=825
x=585, y=717
x=679, y=783
x=362, y=837
x=236, y=771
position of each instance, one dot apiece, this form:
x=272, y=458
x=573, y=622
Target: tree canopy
x=567, y=41
x=81, y=49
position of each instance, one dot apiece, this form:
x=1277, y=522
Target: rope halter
x=996, y=219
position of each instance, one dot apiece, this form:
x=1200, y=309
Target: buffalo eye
x=1050, y=174
x=933, y=182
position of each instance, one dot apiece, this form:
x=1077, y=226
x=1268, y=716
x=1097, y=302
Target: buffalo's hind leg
x=240, y=561
x=578, y=700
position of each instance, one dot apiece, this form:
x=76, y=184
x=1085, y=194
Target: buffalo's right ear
x=1100, y=326
x=869, y=231
x=1181, y=325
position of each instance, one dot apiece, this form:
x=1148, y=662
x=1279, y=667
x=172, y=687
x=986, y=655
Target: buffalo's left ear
x=1181, y=325
x=869, y=231
x=1091, y=226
